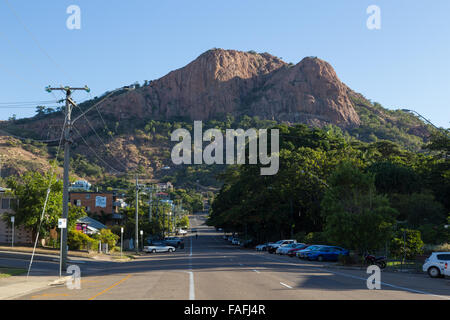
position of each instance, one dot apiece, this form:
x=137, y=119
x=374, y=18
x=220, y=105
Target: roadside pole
x=12, y=238
x=137, y=217
x=67, y=145
x=121, y=241
x=62, y=224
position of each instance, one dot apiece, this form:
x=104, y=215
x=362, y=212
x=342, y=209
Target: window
x=445, y=257
x=88, y=209
x=6, y=203
x=78, y=203
x=88, y=196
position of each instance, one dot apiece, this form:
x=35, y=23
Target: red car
x=300, y=246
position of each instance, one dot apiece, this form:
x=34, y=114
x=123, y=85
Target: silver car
x=159, y=248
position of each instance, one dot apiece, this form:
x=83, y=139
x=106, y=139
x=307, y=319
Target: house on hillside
x=100, y=205
x=80, y=185
x=166, y=186
x=89, y=226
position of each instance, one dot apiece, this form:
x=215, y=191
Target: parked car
x=274, y=246
x=284, y=249
x=173, y=241
x=327, y=253
x=302, y=254
x=235, y=242
x=437, y=265
x=159, y=247
x=299, y=246
x=181, y=231
x=262, y=247
x=246, y=243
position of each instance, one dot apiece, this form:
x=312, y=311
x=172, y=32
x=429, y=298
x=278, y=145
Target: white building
x=81, y=185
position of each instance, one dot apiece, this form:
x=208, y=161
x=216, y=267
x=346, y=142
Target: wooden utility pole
x=67, y=143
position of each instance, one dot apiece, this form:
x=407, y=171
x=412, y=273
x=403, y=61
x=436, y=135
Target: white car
x=284, y=249
x=159, y=248
x=181, y=231
x=437, y=265
x=274, y=246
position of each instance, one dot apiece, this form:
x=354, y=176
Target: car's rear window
x=445, y=257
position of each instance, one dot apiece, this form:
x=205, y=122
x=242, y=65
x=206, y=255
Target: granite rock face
x=221, y=82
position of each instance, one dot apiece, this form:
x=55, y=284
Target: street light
x=426, y=120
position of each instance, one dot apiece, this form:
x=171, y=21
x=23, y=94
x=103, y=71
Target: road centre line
x=109, y=288
x=284, y=284
x=191, y=276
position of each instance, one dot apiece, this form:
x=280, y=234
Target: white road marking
x=256, y=271
x=191, y=286
x=191, y=277
x=284, y=284
x=356, y=277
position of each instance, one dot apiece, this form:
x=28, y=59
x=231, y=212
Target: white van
x=437, y=265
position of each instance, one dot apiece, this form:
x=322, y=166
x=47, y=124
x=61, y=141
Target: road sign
x=62, y=223
x=12, y=219
x=121, y=230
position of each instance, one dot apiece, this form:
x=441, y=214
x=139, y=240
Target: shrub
x=77, y=240
x=106, y=236
x=411, y=247
x=315, y=238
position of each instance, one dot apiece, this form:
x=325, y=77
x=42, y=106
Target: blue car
x=327, y=253
x=303, y=254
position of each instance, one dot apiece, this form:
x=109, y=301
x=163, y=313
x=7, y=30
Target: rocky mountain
x=221, y=83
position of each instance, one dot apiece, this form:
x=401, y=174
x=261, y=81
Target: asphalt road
x=209, y=268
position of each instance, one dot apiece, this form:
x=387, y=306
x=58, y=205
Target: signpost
x=62, y=224
x=12, y=238
x=121, y=241
x=142, y=240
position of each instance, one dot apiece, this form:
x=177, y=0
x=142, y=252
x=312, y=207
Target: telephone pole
x=150, y=202
x=137, y=216
x=67, y=143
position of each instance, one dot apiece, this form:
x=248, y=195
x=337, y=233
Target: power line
x=29, y=102
x=104, y=144
x=35, y=39
x=95, y=153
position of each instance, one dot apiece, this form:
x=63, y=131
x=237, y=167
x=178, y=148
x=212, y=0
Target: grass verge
x=8, y=272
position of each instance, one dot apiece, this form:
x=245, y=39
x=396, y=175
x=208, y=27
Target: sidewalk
x=47, y=251
x=53, y=255
x=17, y=286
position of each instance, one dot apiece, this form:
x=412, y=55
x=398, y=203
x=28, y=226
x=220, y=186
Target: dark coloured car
x=327, y=253
x=174, y=242
x=300, y=246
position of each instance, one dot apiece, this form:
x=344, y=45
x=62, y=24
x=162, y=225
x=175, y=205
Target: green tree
x=356, y=216
x=30, y=191
x=407, y=243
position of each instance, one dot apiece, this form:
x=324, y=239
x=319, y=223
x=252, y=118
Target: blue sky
x=403, y=65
